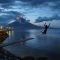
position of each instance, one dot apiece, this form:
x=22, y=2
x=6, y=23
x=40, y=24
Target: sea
x=41, y=44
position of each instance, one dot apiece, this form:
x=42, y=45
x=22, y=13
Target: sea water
x=41, y=45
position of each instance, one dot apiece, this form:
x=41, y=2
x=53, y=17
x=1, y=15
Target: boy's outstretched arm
x=49, y=25
x=45, y=24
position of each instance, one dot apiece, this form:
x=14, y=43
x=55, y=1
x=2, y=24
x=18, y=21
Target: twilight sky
x=31, y=9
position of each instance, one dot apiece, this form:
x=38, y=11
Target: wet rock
x=3, y=35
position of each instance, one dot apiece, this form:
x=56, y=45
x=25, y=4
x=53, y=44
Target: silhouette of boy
x=46, y=27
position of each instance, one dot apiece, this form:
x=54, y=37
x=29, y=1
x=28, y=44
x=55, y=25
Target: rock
x=3, y=35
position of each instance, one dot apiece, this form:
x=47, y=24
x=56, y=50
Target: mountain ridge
x=26, y=25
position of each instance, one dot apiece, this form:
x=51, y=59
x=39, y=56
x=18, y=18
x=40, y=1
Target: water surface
x=41, y=45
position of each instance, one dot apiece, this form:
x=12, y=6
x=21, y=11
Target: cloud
x=9, y=16
x=28, y=7
x=56, y=7
x=36, y=2
x=53, y=4
x=54, y=17
x=6, y=1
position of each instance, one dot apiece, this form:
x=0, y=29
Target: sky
x=30, y=9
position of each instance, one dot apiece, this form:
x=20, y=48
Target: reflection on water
x=40, y=45
x=10, y=33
